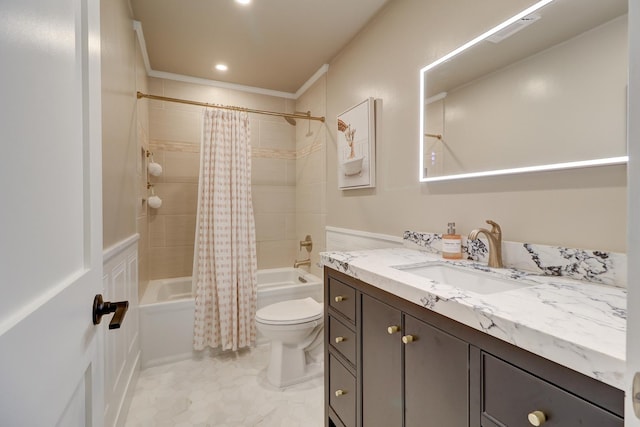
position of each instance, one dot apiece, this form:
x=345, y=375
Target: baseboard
x=125, y=403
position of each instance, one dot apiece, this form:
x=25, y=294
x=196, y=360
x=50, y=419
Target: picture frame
x=356, y=146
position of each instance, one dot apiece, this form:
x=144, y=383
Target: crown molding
x=137, y=26
x=321, y=71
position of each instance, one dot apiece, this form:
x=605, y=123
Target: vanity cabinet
x=390, y=362
x=410, y=370
x=342, y=390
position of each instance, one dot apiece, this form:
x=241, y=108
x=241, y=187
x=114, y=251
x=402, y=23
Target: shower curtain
x=225, y=267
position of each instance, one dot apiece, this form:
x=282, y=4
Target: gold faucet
x=495, y=242
x=297, y=263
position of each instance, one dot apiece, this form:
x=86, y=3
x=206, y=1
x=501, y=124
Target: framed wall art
x=356, y=146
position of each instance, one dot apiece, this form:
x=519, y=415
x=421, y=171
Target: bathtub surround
x=225, y=266
x=288, y=174
x=311, y=174
x=602, y=267
x=176, y=147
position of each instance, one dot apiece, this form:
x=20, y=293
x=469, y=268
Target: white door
x=51, y=370
x=632, y=418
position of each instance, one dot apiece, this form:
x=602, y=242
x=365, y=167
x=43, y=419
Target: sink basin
x=470, y=280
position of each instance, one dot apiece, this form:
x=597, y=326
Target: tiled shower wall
x=142, y=221
x=174, y=138
x=311, y=172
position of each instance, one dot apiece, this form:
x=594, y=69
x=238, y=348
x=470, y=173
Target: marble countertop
x=577, y=324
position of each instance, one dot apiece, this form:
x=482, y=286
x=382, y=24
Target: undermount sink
x=459, y=277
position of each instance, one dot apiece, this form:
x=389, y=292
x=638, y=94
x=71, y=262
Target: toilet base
x=288, y=366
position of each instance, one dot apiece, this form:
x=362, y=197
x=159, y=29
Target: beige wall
x=174, y=132
x=585, y=208
x=125, y=133
x=119, y=128
x=142, y=223
x=311, y=172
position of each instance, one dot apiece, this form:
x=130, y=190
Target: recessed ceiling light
x=243, y=1
x=221, y=67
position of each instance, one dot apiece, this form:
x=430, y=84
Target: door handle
x=101, y=307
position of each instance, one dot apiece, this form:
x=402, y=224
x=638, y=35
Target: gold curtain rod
x=228, y=107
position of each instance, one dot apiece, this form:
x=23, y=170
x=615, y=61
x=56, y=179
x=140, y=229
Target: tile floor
x=229, y=390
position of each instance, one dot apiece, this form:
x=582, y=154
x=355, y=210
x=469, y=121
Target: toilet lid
x=290, y=312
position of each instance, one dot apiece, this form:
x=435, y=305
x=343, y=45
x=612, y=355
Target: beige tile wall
x=172, y=227
x=142, y=125
x=174, y=133
x=311, y=173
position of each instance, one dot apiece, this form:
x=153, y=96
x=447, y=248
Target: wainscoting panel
x=344, y=239
x=121, y=346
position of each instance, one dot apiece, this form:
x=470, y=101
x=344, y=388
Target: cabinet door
x=436, y=377
x=511, y=396
x=381, y=365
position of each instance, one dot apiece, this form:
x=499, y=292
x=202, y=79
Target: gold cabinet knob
x=408, y=339
x=537, y=418
x=340, y=339
x=392, y=329
x=340, y=393
x=339, y=298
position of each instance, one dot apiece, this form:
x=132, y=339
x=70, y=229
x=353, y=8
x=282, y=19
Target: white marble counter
x=576, y=324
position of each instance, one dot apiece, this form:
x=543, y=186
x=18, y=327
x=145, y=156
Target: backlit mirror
x=544, y=90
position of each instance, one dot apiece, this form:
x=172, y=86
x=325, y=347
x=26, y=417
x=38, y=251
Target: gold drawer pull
x=340, y=298
x=408, y=339
x=340, y=339
x=340, y=393
x=537, y=418
x=392, y=329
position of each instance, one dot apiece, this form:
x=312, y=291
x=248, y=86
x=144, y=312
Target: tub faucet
x=297, y=263
x=495, y=242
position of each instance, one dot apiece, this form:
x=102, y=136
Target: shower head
x=292, y=121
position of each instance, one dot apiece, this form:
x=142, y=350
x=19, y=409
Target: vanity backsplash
x=606, y=268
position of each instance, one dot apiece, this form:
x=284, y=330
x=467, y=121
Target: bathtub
x=167, y=306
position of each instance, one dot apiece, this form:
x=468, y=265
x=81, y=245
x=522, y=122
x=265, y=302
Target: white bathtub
x=166, y=310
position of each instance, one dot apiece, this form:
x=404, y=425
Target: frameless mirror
x=544, y=90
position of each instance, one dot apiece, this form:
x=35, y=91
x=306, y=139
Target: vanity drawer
x=342, y=339
x=510, y=395
x=342, y=298
x=342, y=392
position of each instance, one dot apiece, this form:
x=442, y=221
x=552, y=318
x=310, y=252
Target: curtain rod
x=307, y=116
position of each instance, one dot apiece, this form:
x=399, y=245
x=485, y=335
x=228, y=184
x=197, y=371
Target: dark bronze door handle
x=101, y=307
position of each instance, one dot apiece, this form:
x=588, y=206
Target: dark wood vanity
x=392, y=363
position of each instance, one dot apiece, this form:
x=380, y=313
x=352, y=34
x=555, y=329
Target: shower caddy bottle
x=451, y=243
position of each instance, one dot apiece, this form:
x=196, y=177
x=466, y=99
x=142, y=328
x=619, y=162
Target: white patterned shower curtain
x=224, y=266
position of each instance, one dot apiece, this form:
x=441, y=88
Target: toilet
x=294, y=328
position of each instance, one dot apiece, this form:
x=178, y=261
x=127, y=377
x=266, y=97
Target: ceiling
x=268, y=44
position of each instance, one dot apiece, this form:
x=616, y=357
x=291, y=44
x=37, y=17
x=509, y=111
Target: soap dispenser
x=451, y=243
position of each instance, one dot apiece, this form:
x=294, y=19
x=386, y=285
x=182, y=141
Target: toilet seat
x=290, y=312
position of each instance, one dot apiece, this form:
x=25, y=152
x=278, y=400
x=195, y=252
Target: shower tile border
x=265, y=153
